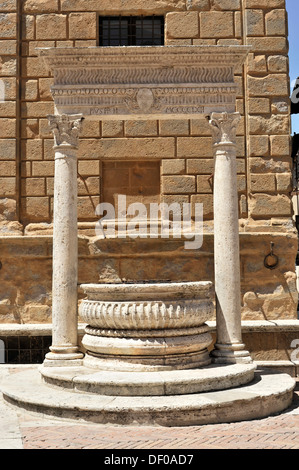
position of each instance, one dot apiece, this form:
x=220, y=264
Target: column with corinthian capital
x=64, y=349
x=229, y=347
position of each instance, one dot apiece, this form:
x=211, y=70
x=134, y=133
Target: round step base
x=267, y=394
x=173, y=382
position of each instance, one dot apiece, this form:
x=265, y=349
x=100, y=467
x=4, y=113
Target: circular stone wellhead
x=147, y=326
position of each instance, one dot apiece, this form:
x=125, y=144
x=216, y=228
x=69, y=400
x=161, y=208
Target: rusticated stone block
x=37, y=109
x=8, y=66
x=40, y=6
x=51, y=26
x=8, y=25
x=257, y=63
x=159, y=147
x=8, y=47
x=88, y=167
x=182, y=24
x=263, y=183
x=254, y=22
x=86, y=207
x=29, y=90
x=277, y=63
x=207, y=201
x=275, y=124
x=200, y=5
x=216, y=24
x=7, y=186
x=174, y=127
x=33, y=187
x=35, y=208
x=194, y=147
x=29, y=128
x=44, y=86
x=265, y=205
x=43, y=168
x=280, y=145
x=129, y=7
x=204, y=184
x=259, y=105
x=82, y=25
x=141, y=128
x=8, y=5
x=178, y=184
x=264, y=4
x=276, y=23
x=284, y=182
x=266, y=165
x=112, y=128
x=7, y=168
x=7, y=109
x=269, y=44
x=274, y=84
x=7, y=149
x=258, y=145
x=28, y=27
x=173, y=166
x=7, y=128
x=200, y=165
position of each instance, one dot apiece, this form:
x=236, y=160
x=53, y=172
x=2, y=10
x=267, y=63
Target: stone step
x=154, y=383
x=267, y=394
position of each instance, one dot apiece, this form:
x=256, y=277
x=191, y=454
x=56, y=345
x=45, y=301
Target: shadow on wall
x=2, y=352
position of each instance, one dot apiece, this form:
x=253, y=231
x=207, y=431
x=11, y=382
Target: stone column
x=229, y=347
x=64, y=349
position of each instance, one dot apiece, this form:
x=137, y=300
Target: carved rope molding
x=141, y=82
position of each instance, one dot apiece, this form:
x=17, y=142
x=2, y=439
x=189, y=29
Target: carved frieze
x=138, y=82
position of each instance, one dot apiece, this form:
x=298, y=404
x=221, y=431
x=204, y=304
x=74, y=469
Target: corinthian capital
x=65, y=129
x=223, y=127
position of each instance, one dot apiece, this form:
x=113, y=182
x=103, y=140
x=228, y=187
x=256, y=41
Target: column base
x=233, y=353
x=63, y=359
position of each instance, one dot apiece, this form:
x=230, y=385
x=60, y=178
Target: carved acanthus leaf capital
x=66, y=129
x=223, y=127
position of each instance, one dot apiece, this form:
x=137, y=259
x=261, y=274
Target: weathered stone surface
x=254, y=22
x=182, y=25
x=51, y=26
x=274, y=84
x=38, y=6
x=276, y=23
x=216, y=24
x=184, y=147
x=265, y=205
x=82, y=26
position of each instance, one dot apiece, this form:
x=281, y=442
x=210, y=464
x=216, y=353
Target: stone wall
x=183, y=149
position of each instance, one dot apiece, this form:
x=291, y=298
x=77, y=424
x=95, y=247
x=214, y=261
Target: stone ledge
x=38, y=329
x=44, y=329
x=254, y=326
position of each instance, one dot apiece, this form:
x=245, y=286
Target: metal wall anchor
x=271, y=260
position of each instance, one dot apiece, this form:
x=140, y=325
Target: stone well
x=147, y=326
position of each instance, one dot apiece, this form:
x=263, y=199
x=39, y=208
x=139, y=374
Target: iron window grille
x=131, y=31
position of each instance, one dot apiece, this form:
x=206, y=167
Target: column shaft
x=64, y=349
x=229, y=347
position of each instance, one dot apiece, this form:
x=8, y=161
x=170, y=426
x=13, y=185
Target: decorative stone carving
x=162, y=82
x=65, y=129
x=154, y=325
x=223, y=126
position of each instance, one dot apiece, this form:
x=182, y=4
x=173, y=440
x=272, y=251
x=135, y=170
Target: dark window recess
x=26, y=349
x=131, y=31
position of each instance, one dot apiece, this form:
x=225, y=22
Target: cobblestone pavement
x=22, y=430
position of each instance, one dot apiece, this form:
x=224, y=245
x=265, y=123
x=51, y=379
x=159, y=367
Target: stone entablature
x=163, y=82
